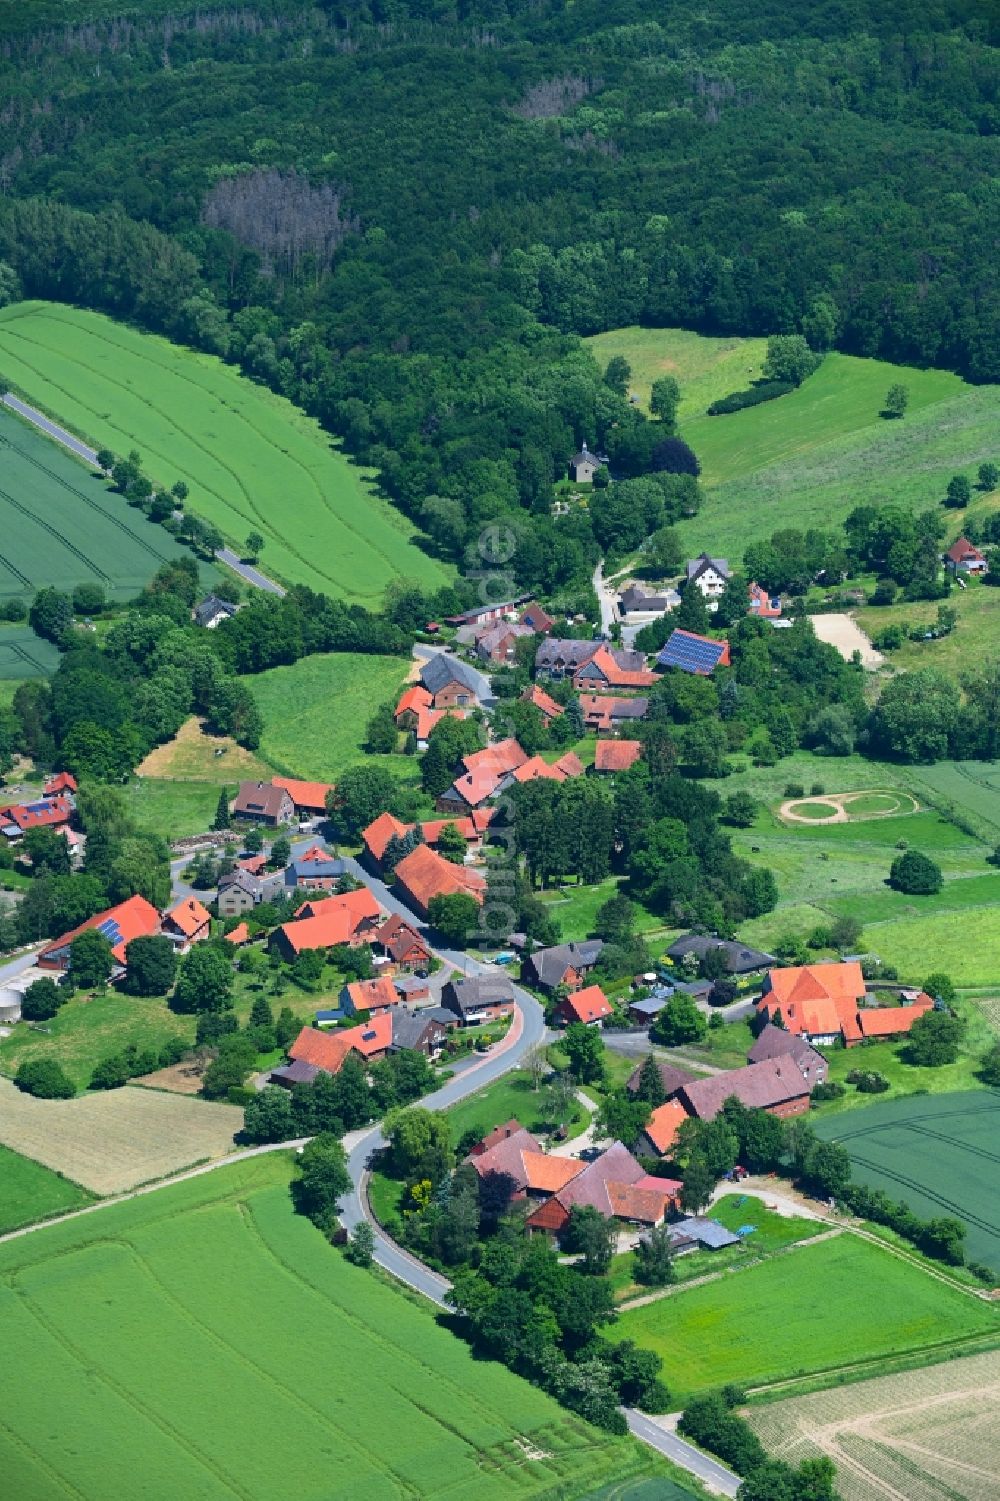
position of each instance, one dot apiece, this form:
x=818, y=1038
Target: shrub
x=915, y=874
x=44, y=1078
x=832, y=1089
x=766, y=390
x=817, y=789
x=794, y=789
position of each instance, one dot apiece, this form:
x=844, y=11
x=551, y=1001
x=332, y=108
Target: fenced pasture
x=112, y=1141
x=209, y=1340
x=926, y=1435
x=252, y=461
x=830, y=1304
x=940, y=1153
x=61, y=525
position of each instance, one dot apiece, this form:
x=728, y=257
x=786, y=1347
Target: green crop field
x=939, y=1153
x=61, y=525
x=970, y=789
x=822, y=1306
x=25, y=655
x=315, y=712
x=29, y=1191
x=252, y=461
x=204, y=1341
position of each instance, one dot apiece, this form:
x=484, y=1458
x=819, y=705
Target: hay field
x=204, y=1341
x=252, y=461
x=923, y=1436
x=939, y=1153
x=61, y=525
x=113, y=1141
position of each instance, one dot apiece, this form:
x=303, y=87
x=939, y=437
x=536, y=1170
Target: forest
x=403, y=214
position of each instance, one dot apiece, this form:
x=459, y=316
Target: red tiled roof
x=369, y=995
x=616, y=1165
x=252, y=863
x=377, y=835
x=962, y=549
x=325, y=1050
x=502, y=757
x=311, y=795
x=538, y=767
x=465, y=826
x=588, y=1005
x=887, y=1021
x=424, y=874
x=63, y=781
x=331, y=920
x=819, y=999
x=619, y=677
x=538, y=619
x=314, y=854
x=188, y=915
x=647, y=1205
x=40, y=815
x=616, y=755
x=542, y=701
x=570, y=765
x=474, y=787
x=663, y=1124
x=239, y=934
x=415, y=697
x=372, y=1036
x=134, y=918
x=399, y=940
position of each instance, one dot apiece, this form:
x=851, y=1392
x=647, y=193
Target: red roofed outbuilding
x=134, y=918
x=589, y=1006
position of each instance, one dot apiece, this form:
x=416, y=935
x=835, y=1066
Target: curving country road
x=246, y=571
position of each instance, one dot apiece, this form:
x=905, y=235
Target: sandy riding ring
x=848, y=807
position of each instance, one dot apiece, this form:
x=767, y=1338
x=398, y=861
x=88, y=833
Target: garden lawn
x=252, y=461
x=60, y=524
x=87, y=1029
x=575, y=909
x=283, y=1334
x=938, y=1153
x=830, y=1304
x=976, y=634
x=29, y=1192
x=511, y=1097
x=316, y=710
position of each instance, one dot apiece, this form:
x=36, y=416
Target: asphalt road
x=59, y=434
x=714, y=1475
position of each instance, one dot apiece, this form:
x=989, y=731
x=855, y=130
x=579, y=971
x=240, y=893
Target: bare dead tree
x=283, y=217
x=555, y=96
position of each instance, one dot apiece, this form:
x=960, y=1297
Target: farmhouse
x=479, y=999
x=555, y=658
x=325, y=1052
x=567, y=766
x=402, y=945
x=740, y=960
x=453, y=684
x=692, y=653
x=414, y=712
x=352, y=919
x=563, y=964
x=487, y=613
x=485, y=771
x=213, y=611
x=546, y=706
x=584, y=465
x=660, y=1132
x=498, y=643
x=186, y=923
x=890, y=1022
x=134, y=918
x=613, y=668
x=535, y=618
x=308, y=798
x=776, y=1085
x=615, y=1185
x=365, y=998
x=816, y=1001
x=962, y=557
x=513, y=1151
x=616, y=755
x=762, y=604
x=589, y=1006
x=709, y=575
x=263, y=803
x=607, y=714
x=773, y=1042
x=423, y=874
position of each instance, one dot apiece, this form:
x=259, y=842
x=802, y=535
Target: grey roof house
x=565, y=963
x=740, y=959
x=213, y=611
x=443, y=668
x=775, y=1042
x=479, y=997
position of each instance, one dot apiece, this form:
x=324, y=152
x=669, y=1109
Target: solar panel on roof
x=690, y=653
x=111, y=931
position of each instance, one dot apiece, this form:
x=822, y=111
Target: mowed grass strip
x=941, y=1153
x=316, y=710
x=252, y=461
x=113, y=1141
x=61, y=525
x=29, y=1191
x=826, y=1305
x=283, y=1333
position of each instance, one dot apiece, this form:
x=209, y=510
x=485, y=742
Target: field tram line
x=143, y=1409
x=963, y=1146
x=64, y=541
x=483, y=1409
x=961, y=1214
x=314, y=1413
x=256, y=514
x=59, y=1480
x=143, y=542
x=16, y=572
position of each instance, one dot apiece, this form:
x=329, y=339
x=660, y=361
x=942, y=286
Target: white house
x=710, y=574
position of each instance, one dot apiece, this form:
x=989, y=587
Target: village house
x=16, y=819
x=589, y=1006
x=826, y=1002
x=962, y=557
x=512, y=1151
x=671, y=1078
x=402, y=946
x=238, y=936
x=693, y=653
x=454, y=684
x=546, y=706
x=585, y=464
x=616, y=1186
x=315, y=1052
x=413, y=991
x=423, y=874
x=563, y=964
x=607, y=715
x=709, y=575
x=365, y=998
x=60, y=784
x=740, y=959
x=308, y=798
x=240, y=891
x=776, y=1085
x=616, y=755
x=186, y=923
x=352, y=918
x=773, y=1042
x=611, y=667
x=479, y=999
x=498, y=643
x=134, y=918
x=263, y=803
x=536, y=619
x=762, y=604
x=316, y=870
x=660, y=1132
x=645, y=599
x=485, y=771
x=417, y=1032
x=213, y=611
x=556, y=658
x=414, y=712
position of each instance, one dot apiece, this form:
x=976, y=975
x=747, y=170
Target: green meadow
x=208, y=1340
x=704, y=368
x=29, y=1191
x=252, y=461
x=820, y=1307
